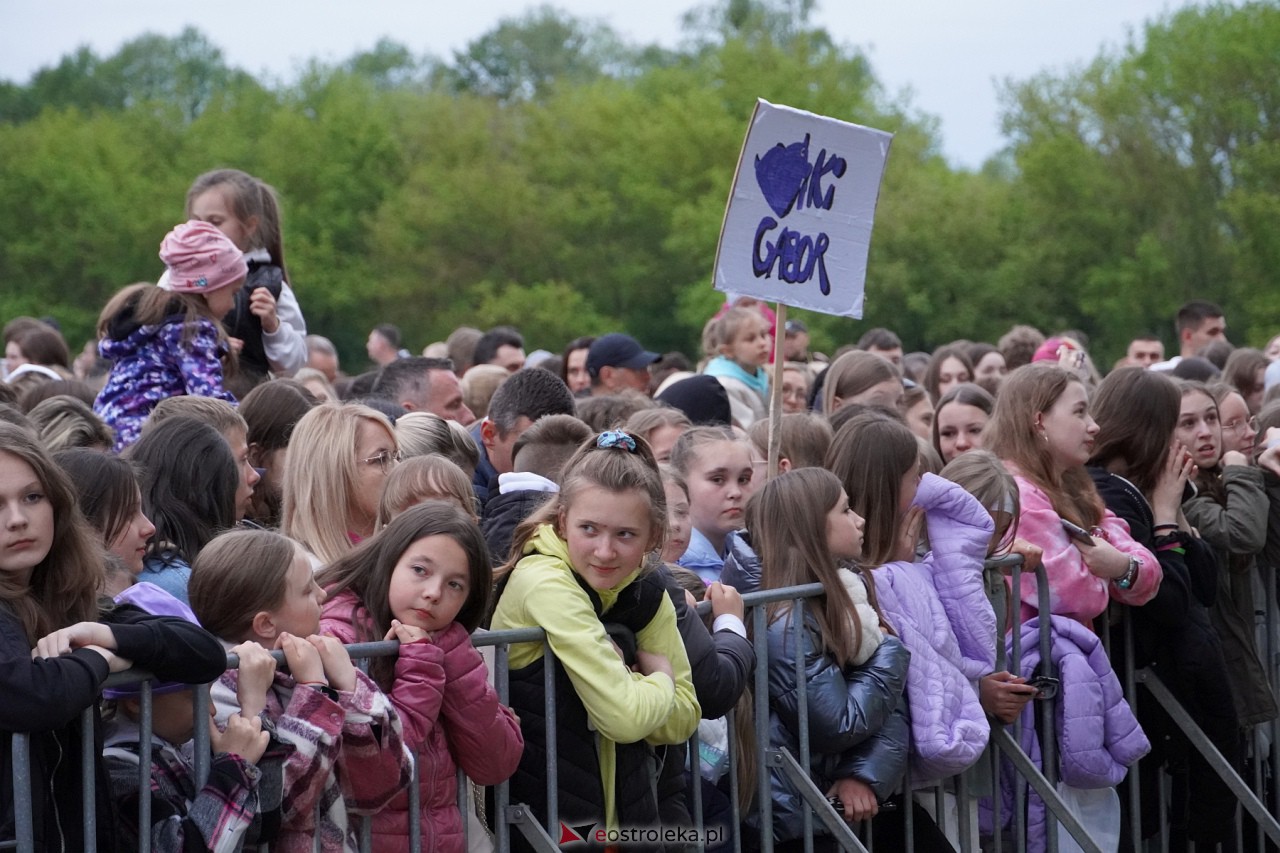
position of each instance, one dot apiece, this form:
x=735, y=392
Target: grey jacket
x=1238, y=533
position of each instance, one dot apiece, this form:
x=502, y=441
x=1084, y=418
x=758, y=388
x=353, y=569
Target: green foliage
x=552, y=176
x=549, y=314
x=529, y=57
x=1149, y=178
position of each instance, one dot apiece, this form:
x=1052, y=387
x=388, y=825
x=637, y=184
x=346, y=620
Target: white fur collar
x=871, y=637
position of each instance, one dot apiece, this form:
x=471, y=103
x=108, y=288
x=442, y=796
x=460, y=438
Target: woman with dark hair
x=189, y=480
x=1244, y=372
x=1141, y=472
x=41, y=344
x=989, y=368
x=948, y=366
x=573, y=364
x=109, y=497
x=271, y=411
x=1042, y=430
x=55, y=653
x=959, y=419
x=1230, y=509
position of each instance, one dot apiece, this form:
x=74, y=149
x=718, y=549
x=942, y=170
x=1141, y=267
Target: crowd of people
x=204, y=479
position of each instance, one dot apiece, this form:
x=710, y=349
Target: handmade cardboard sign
x=797, y=227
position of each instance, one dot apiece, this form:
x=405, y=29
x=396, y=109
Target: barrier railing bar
x=908, y=800
x=523, y=819
x=802, y=697
x=735, y=810
x=1273, y=658
x=502, y=796
x=23, y=805
x=144, y=768
x=87, y=763
x=1015, y=666
x=203, y=750
x=1131, y=694
x=1045, y=708
x=763, y=800
x=1257, y=809
x=1258, y=746
x=364, y=834
x=1047, y=792
x=553, y=763
x=694, y=752
x=815, y=799
x=415, y=806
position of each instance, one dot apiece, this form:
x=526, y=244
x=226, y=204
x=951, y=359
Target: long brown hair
x=870, y=455
x=1208, y=481
x=367, y=570
x=787, y=519
x=1011, y=435
x=152, y=305
x=250, y=198
x=238, y=575
x=1139, y=435
x=851, y=374
x=63, y=586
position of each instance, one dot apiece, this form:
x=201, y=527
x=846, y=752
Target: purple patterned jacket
x=152, y=363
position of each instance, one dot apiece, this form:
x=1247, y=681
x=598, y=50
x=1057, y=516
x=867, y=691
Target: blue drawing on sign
x=790, y=182
x=781, y=172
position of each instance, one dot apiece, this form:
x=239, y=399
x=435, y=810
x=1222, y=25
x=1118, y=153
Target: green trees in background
x=1153, y=177
x=552, y=176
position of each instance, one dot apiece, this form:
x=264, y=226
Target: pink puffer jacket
x=451, y=717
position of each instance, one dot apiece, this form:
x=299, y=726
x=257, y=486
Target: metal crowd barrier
x=518, y=817
x=1259, y=797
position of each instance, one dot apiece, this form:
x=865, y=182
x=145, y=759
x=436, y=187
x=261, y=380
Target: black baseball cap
x=618, y=350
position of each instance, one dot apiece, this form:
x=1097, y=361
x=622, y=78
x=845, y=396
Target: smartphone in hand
x=1077, y=533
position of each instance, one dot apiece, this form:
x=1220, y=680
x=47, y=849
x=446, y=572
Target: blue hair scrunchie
x=616, y=438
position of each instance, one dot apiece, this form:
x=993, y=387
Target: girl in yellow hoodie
x=622, y=678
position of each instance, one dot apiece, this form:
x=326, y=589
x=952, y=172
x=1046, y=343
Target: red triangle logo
x=568, y=834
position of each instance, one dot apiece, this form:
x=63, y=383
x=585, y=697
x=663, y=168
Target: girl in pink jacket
x=424, y=580
x=1042, y=430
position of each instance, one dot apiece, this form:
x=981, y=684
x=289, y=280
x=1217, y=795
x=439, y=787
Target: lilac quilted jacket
x=1098, y=735
x=939, y=609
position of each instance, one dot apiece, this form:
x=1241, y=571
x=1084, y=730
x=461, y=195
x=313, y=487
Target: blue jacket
x=702, y=558
x=858, y=726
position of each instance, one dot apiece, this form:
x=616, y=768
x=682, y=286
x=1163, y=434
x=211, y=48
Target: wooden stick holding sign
x=797, y=227
x=775, y=389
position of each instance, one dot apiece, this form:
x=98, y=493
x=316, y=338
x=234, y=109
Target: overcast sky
x=949, y=54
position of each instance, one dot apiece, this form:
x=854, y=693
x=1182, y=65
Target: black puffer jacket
x=242, y=323
x=580, y=791
x=1174, y=635
x=858, y=724
x=741, y=565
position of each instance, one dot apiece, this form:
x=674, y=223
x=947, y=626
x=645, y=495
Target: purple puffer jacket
x=153, y=363
x=1098, y=735
x=939, y=608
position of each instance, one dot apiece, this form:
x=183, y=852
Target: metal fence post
x=763, y=800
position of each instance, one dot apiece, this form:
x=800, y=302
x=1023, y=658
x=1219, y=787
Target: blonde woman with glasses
x=338, y=462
